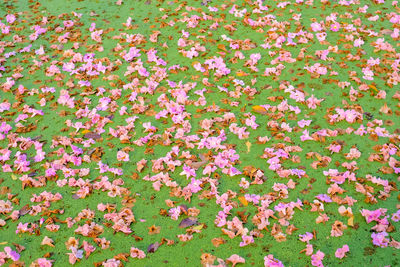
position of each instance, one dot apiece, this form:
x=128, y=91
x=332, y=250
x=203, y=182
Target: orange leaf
x=350, y=221
x=241, y=73
x=218, y=241
x=259, y=109
x=221, y=47
x=243, y=200
x=373, y=87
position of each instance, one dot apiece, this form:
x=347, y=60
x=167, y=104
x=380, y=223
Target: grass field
x=199, y=133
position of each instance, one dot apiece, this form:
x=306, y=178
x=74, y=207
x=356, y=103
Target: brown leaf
x=221, y=47
x=187, y=222
x=122, y=257
x=218, y=241
x=96, y=153
x=47, y=241
x=24, y=210
x=18, y=247
x=153, y=230
x=153, y=247
x=94, y=136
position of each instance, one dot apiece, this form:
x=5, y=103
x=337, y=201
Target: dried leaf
x=243, y=200
x=91, y=135
x=18, y=247
x=122, y=257
x=350, y=221
x=198, y=227
x=387, y=31
x=24, y=210
x=241, y=73
x=153, y=230
x=248, y=145
x=153, y=247
x=218, y=241
x=47, y=242
x=259, y=109
x=187, y=222
x=221, y=47
x=373, y=87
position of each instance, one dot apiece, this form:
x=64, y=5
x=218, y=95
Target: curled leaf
x=259, y=109
x=218, y=241
x=221, y=47
x=153, y=247
x=24, y=210
x=47, y=242
x=91, y=135
x=187, y=222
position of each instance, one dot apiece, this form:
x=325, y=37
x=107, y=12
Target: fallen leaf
x=243, y=200
x=221, y=47
x=24, y=210
x=259, y=109
x=187, y=222
x=153, y=230
x=153, y=247
x=47, y=241
x=373, y=87
x=94, y=136
x=198, y=227
x=248, y=145
x=218, y=241
x=241, y=73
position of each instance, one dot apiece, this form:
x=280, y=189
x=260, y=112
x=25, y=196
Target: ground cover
x=208, y=133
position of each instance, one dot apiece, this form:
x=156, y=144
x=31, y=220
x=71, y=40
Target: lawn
x=199, y=133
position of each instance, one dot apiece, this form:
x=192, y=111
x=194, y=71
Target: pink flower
x=188, y=171
x=306, y=237
x=341, y=252
x=335, y=27
x=316, y=27
x=316, y=259
x=75, y=255
x=334, y=148
x=270, y=261
x=122, y=156
x=137, y=253
x=10, y=18
x=247, y=240
x=235, y=259
x=43, y=262
x=379, y=239
x=12, y=254
x=358, y=42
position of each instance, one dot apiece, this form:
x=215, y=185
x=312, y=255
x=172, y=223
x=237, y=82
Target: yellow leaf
x=243, y=200
x=248, y=145
x=13, y=177
x=198, y=227
x=259, y=109
x=350, y=221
